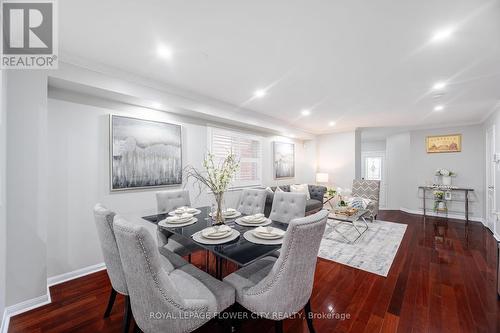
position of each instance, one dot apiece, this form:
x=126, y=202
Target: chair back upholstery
x=151, y=288
x=167, y=201
x=317, y=192
x=288, y=286
x=288, y=206
x=369, y=189
x=252, y=201
x=104, y=223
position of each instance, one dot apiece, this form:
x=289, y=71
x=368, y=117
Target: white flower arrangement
x=216, y=177
x=445, y=172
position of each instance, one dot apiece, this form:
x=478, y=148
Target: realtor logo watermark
x=29, y=34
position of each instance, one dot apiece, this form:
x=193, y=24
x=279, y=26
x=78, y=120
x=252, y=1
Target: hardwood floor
x=443, y=279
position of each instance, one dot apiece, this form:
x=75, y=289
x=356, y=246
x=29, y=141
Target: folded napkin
x=266, y=230
x=255, y=217
x=184, y=209
x=180, y=218
x=269, y=232
x=216, y=231
x=230, y=211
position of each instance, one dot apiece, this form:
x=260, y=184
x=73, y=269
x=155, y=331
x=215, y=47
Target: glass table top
x=240, y=251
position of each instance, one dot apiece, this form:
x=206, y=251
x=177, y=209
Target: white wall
x=337, y=157
x=397, y=160
x=376, y=145
x=409, y=166
x=494, y=119
x=469, y=164
x=26, y=276
x=79, y=171
x=3, y=220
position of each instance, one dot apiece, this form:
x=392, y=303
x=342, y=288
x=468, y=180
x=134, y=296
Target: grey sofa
x=313, y=205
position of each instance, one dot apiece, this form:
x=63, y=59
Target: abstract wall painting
x=284, y=160
x=144, y=154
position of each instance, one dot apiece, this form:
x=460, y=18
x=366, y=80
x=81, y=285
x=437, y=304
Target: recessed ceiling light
x=305, y=112
x=439, y=85
x=260, y=93
x=331, y=123
x=164, y=52
x=442, y=34
x=439, y=108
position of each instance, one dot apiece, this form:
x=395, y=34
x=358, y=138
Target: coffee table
x=360, y=215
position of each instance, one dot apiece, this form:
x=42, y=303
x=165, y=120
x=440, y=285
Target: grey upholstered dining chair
x=189, y=296
x=288, y=206
x=168, y=201
x=104, y=223
x=368, y=189
x=277, y=288
x=252, y=201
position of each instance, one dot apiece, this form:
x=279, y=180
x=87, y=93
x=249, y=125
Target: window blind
x=246, y=147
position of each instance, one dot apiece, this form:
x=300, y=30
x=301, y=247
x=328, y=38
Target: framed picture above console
x=283, y=160
x=144, y=153
x=444, y=143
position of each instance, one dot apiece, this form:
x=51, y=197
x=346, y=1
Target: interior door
x=373, y=168
x=490, y=181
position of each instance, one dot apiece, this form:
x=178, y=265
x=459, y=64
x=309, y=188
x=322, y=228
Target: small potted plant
x=445, y=175
x=439, y=204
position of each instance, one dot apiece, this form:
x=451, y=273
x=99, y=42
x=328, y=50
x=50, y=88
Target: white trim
x=451, y=216
x=52, y=281
x=34, y=303
x=22, y=307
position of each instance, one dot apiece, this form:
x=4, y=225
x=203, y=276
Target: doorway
x=373, y=168
x=491, y=216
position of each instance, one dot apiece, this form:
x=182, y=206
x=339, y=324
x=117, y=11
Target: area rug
x=373, y=252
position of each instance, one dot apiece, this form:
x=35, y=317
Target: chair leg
x=278, y=326
x=137, y=329
x=111, y=301
x=126, y=315
x=189, y=258
x=309, y=315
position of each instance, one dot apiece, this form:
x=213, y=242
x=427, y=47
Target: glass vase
x=218, y=215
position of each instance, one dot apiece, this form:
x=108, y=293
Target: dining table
x=239, y=251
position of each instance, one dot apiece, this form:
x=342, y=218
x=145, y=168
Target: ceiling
x=358, y=63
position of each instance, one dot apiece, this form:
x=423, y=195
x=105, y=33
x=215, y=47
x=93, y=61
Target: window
x=246, y=147
x=373, y=168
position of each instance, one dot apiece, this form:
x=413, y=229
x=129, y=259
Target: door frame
x=490, y=172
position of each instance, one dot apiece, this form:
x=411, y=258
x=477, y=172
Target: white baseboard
x=451, y=216
x=52, y=281
x=19, y=308
x=34, y=303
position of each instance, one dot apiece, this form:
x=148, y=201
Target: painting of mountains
x=144, y=153
x=284, y=160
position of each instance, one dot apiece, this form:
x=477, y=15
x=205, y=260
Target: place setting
x=178, y=220
x=265, y=235
x=217, y=234
x=183, y=210
x=228, y=213
x=253, y=220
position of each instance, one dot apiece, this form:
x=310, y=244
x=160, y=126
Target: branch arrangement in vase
x=216, y=176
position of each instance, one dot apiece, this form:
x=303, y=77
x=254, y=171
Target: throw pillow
x=269, y=190
x=278, y=189
x=358, y=202
x=302, y=188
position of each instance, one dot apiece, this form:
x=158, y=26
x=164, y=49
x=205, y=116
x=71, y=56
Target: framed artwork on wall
x=283, y=160
x=444, y=143
x=144, y=153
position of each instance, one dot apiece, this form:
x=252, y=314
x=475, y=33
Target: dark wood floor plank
x=443, y=279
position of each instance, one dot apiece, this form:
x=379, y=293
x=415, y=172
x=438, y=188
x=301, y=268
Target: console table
x=446, y=189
